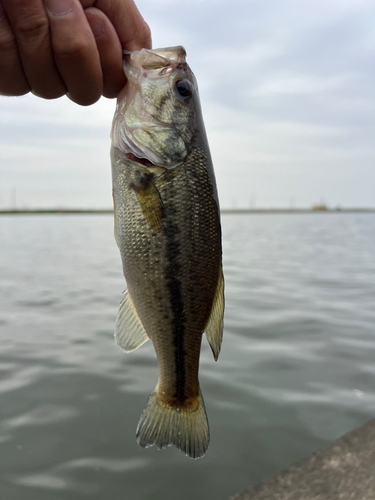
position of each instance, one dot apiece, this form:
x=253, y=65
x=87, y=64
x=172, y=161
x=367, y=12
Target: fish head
x=155, y=117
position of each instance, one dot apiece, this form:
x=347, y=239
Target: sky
x=288, y=97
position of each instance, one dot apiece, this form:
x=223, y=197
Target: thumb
x=132, y=30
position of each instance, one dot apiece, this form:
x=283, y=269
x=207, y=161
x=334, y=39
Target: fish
x=167, y=228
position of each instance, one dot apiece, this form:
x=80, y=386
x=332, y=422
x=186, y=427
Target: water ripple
x=44, y=415
x=20, y=377
x=107, y=464
x=295, y=372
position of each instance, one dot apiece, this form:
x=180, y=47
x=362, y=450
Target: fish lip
x=176, y=54
x=153, y=60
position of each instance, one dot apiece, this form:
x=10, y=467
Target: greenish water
x=296, y=370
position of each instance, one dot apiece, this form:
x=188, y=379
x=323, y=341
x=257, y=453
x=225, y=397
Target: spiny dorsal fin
x=214, y=326
x=129, y=332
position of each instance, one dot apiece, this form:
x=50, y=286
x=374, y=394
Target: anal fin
x=214, y=326
x=129, y=332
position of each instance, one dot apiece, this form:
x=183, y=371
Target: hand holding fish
x=72, y=47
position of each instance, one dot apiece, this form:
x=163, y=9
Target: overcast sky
x=288, y=96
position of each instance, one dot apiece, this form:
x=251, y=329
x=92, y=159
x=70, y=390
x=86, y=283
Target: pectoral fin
x=129, y=332
x=150, y=201
x=214, y=326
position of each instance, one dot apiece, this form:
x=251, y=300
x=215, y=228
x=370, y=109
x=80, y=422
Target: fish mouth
x=143, y=161
x=153, y=60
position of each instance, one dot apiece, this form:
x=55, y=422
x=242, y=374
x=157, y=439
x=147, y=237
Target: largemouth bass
x=167, y=227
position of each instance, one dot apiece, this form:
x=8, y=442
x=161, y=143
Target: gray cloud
x=287, y=91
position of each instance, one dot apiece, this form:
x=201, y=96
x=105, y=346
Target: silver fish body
x=167, y=226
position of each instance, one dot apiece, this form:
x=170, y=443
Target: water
x=297, y=368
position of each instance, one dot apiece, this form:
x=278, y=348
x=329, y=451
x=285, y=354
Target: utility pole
x=13, y=198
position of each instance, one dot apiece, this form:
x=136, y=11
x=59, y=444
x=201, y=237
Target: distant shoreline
x=68, y=211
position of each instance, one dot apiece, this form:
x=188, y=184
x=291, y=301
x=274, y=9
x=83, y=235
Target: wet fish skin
x=167, y=227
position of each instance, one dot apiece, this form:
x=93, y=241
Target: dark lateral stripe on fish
x=178, y=319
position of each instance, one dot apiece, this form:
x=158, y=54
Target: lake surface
x=296, y=371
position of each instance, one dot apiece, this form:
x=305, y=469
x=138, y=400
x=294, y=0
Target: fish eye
x=183, y=89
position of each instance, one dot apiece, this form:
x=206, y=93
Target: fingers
x=54, y=47
x=13, y=80
x=75, y=51
x=110, y=51
x=132, y=30
x=116, y=24
x=30, y=26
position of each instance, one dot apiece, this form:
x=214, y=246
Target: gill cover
x=155, y=109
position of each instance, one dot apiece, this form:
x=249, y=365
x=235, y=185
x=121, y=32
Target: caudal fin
x=166, y=426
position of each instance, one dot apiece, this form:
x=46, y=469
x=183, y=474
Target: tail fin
x=166, y=426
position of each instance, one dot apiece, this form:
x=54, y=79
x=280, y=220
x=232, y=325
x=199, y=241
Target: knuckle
x=49, y=94
x=140, y=37
x=146, y=33
x=31, y=27
x=7, y=41
x=111, y=93
x=4, y=25
x=84, y=100
x=77, y=49
x=7, y=45
x=14, y=89
x=21, y=91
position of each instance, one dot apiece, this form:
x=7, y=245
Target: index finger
x=132, y=30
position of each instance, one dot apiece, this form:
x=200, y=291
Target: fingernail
x=96, y=24
x=59, y=7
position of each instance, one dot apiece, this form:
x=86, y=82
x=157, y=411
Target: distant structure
x=13, y=196
x=320, y=207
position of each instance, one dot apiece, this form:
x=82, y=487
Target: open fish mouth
x=156, y=59
x=143, y=161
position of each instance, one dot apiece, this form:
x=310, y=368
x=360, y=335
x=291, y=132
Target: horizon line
x=317, y=209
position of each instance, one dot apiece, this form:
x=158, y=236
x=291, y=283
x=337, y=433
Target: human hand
x=57, y=47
